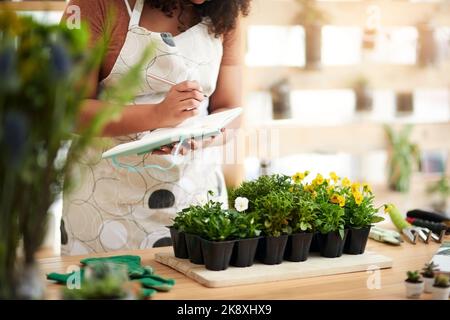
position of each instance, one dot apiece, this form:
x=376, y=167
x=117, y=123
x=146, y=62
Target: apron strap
x=130, y=12
x=136, y=14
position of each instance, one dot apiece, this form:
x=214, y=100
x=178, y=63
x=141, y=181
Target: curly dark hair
x=222, y=13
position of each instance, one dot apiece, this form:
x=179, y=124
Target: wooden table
x=343, y=286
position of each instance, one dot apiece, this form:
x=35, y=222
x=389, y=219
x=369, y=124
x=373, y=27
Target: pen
x=166, y=81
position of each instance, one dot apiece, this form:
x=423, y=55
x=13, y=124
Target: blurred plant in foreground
x=43, y=72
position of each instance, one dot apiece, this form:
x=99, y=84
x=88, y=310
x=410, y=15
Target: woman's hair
x=223, y=14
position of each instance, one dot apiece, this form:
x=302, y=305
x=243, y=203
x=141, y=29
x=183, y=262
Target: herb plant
x=429, y=270
x=274, y=210
x=413, y=277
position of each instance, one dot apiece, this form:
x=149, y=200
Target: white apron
x=115, y=209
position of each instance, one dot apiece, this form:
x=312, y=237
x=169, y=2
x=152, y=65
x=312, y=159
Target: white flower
x=241, y=204
x=202, y=199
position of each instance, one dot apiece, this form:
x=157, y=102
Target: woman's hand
x=182, y=102
x=191, y=144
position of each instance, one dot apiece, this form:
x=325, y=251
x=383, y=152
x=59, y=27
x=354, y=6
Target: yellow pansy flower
x=358, y=197
x=319, y=180
x=298, y=177
x=330, y=189
x=334, y=198
x=367, y=188
x=334, y=176
x=355, y=187
x=341, y=201
x=346, y=182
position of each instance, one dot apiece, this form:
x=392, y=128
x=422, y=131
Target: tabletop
x=379, y=284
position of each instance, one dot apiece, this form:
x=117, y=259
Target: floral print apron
x=110, y=208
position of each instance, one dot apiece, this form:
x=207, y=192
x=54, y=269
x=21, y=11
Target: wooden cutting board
x=315, y=266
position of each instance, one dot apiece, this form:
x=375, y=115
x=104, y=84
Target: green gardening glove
x=156, y=282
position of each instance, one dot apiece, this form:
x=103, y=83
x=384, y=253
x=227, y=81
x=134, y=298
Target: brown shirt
x=94, y=13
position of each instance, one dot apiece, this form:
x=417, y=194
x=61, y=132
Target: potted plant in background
x=247, y=234
x=440, y=192
x=427, y=50
x=360, y=215
x=414, y=285
x=363, y=95
x=43, y=70
x=281, y=99
x=404, y=102
x=428, y=273
x=441, y=287
x=312, y=20
x=403, y=156
x=302, y=221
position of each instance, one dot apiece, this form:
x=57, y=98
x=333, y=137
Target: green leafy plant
x=274, y=210
x=359, y=208
x=403, y=157
x=441, y=189
x=213, y=223
x=330, y=218
x=253, y=190
x=246, y=224
x=428, y=271
x=441, y=281
x=413, y=277
x=304, y=212
x=43, y=70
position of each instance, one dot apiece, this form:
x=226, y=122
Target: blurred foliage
x=43, y=73
x=310, y=13
x=403, y=158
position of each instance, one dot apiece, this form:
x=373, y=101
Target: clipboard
x=200, y=127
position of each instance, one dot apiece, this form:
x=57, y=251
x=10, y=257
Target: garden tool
x=385, y=235
x=409, y=231
x=436, y=230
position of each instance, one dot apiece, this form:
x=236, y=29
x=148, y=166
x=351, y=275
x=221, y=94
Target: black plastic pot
x=194, y=248
x=297, y=247
x=178, y=243
x=271, y=249
x=314, y=242
x=356, y=240
x=331, y=244
x=217, y=254
x=244, y=252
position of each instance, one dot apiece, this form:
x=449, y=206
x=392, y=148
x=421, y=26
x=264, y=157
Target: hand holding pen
x=181, y=102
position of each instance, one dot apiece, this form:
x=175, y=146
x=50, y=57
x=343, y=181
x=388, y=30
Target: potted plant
x=403, y=156
x=363, y=95
x=427, y=47
x=281, y=99
x=312, y=19
x=360, y=215
x=302, y=222
x=247, y=234
x=441, y=287
x=440, y=192
x=273, y=211
x=428, y=273
x=43, y=70
x=178, y=235
x=191, y=221
x=414, y=285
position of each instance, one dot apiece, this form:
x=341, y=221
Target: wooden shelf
x=393, y=13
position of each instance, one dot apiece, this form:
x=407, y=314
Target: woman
x=197, y=40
